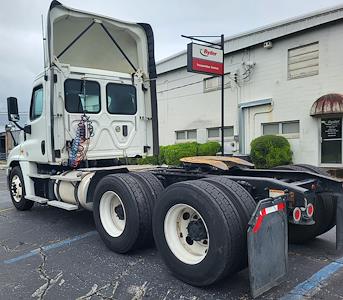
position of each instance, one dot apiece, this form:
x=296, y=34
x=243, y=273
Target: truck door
x=117, y=118
x=35, y=146
x=126, y=109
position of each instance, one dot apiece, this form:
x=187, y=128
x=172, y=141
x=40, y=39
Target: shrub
x=210, y=148
x=269, y=151
x=171, y=154
x=149, y=160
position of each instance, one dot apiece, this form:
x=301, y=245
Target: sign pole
x=222, y=98
x=205, y=59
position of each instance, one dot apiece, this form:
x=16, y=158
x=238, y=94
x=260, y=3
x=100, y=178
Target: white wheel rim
x=16, y=188
x=112, y=214
x=176, y=234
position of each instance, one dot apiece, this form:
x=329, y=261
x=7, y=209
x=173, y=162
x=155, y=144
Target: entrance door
x=331, y=141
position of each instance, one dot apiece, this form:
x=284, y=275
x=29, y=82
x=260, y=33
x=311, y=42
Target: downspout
x=241, y=124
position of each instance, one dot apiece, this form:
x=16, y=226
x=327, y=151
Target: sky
x=21, y=52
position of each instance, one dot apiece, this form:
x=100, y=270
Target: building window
x=286, y=128
x=270, y=129
x=290, y=127
x=186, y=135
x=215, y=132
x=215, y=83
x=303, y=61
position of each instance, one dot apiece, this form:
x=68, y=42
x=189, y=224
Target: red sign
x=207, y=66
x=204, y=59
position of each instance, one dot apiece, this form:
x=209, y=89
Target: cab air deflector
x=109, y=35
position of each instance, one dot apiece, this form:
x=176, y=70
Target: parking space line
x=6, y=209
x=50, y=247
x=311, y=286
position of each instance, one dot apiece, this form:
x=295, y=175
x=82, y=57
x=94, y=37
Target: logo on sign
x=205, y=52
x=204, y=59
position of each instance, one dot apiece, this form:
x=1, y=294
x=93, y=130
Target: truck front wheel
x=17, y=190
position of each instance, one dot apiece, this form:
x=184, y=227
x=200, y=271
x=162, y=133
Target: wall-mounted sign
x=331, y=129
x=204, y=59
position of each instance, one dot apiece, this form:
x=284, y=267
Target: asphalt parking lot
x=48, y=253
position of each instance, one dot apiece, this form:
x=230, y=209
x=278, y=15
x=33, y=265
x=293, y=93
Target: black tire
x=289, y=167
x=224, y=227
x=323, y=214
x=244, y=203
x=22, y=204
x=137, y=232
x=313, y=169
x=153, y=187
x=329, y=202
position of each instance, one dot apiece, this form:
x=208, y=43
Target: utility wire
x=179, y=87
x=177, y=79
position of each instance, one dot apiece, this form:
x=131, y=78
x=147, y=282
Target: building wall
x=183, y=104
x=7, y=143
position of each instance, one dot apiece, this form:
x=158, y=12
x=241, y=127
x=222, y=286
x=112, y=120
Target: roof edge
x=272, y=26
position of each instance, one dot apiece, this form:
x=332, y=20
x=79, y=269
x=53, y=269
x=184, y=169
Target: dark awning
x=327, y=105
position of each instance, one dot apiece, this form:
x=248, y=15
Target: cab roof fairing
x=94, y=49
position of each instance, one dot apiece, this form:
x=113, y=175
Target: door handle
x=125, y=130
x=42, y=147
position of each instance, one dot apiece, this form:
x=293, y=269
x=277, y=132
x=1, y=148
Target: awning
x=327, y=105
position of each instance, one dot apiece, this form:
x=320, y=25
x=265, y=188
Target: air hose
x=79, y=146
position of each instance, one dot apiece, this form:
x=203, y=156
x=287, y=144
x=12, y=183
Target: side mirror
x=12, y=109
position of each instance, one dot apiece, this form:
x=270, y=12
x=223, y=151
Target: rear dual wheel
x=200, y=230
x=122, y=210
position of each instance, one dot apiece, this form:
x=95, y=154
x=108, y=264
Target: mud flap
x=268, y=245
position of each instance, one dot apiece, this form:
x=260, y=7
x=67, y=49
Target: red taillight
x=310, y=210
x=297, y=214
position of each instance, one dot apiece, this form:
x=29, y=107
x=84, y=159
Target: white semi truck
x=94, y=106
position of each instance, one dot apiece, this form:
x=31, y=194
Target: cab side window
x=36, y=108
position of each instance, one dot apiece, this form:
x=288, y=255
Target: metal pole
x=222, y=99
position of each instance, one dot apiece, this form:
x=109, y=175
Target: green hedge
x=210, y=148
x=170, y=155
x=269, y=151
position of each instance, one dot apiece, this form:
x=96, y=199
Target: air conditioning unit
x=268, y=45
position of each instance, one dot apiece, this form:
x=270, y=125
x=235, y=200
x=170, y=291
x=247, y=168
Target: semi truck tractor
x=94, y=107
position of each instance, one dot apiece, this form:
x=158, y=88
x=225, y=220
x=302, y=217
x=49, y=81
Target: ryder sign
x=204, y=59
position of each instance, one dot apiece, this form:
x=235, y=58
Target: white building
x=274, y=75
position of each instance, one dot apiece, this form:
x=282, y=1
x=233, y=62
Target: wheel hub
x=119, y=212
x=16, y=188
x=197, y=230
x=186, y=233
x=112, y=213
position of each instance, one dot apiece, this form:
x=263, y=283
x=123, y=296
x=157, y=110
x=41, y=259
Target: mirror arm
x=14, y=140
x=16, y=124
